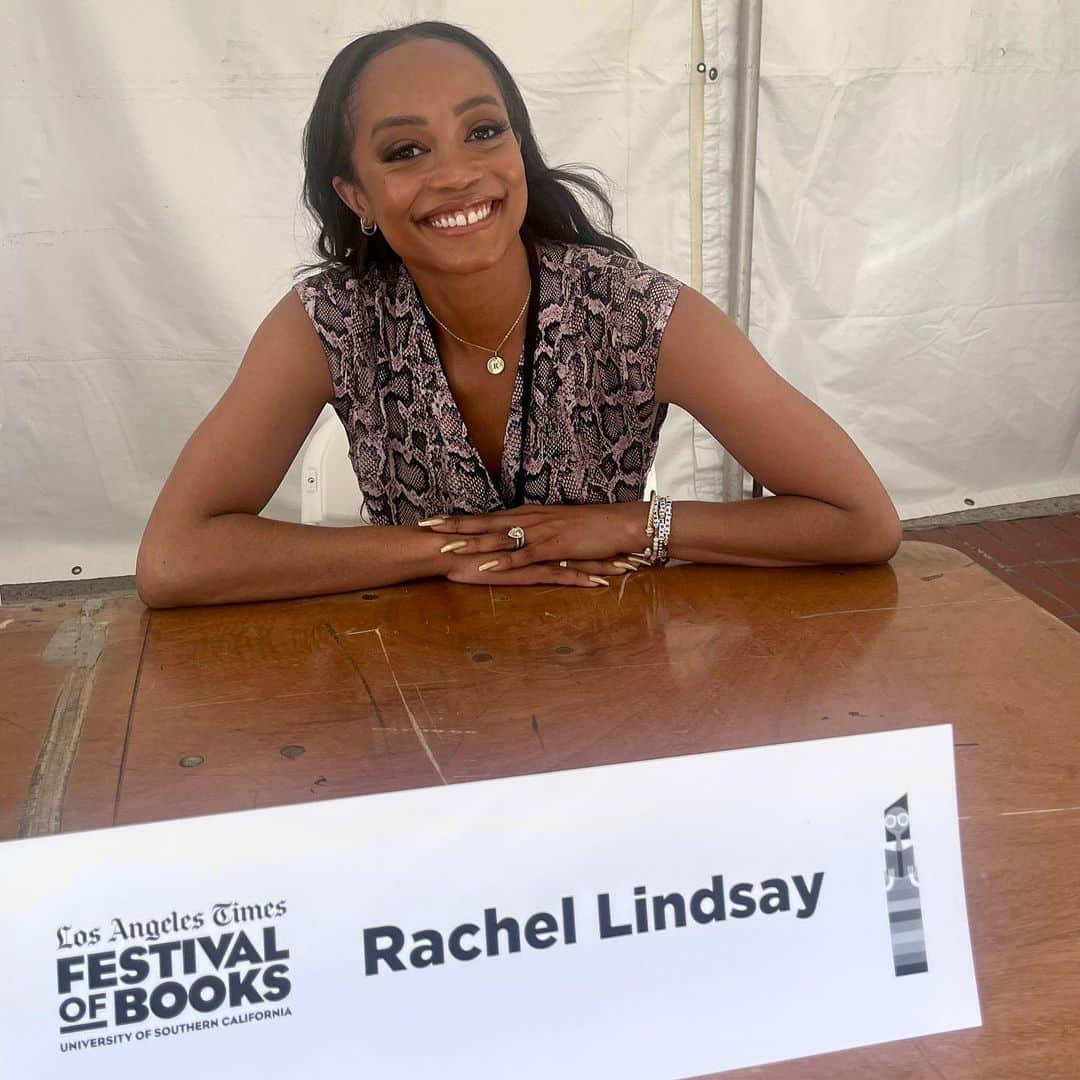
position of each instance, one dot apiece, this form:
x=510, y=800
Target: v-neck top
x=595, y=322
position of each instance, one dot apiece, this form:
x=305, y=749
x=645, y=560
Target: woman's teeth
x=470, y=217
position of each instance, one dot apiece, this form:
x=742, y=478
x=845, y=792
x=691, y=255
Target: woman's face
x=440, y=154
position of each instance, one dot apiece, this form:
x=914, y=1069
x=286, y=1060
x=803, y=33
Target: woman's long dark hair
x=553, y=212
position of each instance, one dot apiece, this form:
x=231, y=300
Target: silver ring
x=517, y=534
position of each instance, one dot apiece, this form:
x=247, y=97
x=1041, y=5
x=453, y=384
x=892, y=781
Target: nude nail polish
x=624, y=565
x=599, y=580
x=453, y=545
x=432, y=521
x=487, y=566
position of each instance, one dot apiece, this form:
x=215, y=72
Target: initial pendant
x=495, y=365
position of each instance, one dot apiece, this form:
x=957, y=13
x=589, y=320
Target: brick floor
x=1039, y=557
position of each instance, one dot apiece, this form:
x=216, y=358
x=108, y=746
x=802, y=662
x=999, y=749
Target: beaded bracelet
x=663, y=530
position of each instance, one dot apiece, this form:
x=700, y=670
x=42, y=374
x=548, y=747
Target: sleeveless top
x=595, y=322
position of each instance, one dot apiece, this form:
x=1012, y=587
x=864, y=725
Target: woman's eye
x=494, y=131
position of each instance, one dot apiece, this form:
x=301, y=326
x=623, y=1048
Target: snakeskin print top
x=595, y=322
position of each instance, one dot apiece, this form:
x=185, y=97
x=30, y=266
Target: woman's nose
x=450, y=164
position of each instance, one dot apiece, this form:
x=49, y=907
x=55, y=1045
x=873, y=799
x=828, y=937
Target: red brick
x=1070, y=571
x=1003, y=542
x=1046, y=539
x=953, y=536
x=1069, y=523
x=1047, y=589
x=1014, y=543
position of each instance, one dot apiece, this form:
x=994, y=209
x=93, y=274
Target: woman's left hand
x=595, y=533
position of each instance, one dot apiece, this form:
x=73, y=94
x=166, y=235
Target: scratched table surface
x=112, y=714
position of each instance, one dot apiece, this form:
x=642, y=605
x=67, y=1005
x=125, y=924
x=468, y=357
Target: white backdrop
x=917, y=237
x=916, y=242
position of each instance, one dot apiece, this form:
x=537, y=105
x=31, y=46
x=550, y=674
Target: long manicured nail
x=453, y=545
x=639, y=562
x=625, y=565
x=599, y=580
x=487, y=566
x=432, y=521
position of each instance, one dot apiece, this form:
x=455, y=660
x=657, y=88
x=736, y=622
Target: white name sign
x=656, y=919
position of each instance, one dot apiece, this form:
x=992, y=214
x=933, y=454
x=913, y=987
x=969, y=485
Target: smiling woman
x=502, y=367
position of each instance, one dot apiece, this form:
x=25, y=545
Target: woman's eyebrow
x=468, y=103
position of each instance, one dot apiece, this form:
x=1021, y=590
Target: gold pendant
x=495, y=365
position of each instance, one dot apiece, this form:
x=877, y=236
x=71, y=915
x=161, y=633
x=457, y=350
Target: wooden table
x=112, y=715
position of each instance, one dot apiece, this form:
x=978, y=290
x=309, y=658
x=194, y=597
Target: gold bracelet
x=650, y=529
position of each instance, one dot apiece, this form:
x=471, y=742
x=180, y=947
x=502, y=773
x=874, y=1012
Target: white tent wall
x=917, y=237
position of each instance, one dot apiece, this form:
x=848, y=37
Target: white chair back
x=329, y=494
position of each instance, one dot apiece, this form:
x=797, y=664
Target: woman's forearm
x=232, y=558
x=780, y=530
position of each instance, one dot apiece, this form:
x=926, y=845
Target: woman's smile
x=457, y=229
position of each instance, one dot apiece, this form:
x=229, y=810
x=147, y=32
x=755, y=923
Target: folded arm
x=829, y=505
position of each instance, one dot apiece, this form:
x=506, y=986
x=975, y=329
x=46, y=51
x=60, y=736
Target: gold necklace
x=495, y=364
